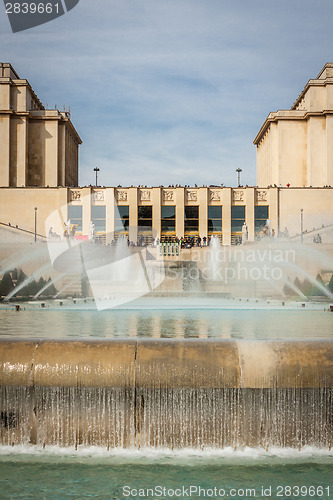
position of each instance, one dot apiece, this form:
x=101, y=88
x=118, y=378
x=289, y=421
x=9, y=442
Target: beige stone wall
x=4, y=148
x=39, y=147
x=17, y=206
x=71, y=158
x=4, y=96
x=267, y=157
x=62, y=154
x=284, y=205
x=329, y=148
x=296, y=146
x=316, y=151
x=291, y=158
x=50, y=139
x=179, y=195
x=317, y=205
x=37, y=154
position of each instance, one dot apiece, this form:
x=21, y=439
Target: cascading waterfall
x=175, y=418
x=166, y=394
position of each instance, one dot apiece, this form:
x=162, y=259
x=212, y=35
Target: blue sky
x=172, y=91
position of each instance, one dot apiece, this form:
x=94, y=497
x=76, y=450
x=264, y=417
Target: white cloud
x=172, y=91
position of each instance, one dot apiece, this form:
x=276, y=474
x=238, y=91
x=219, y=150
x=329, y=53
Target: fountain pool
x=238, y=320
x=57, y=469
x=58, y=474
x=171, y=391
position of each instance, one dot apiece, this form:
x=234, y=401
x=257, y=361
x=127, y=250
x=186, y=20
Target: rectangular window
x=168, y=219
x=98, y=218
x=145, y=212
x=191, y=219
x=237, y=218
x=214, y=219
x=121, y=218
x=261, y=215
x=145, y=218
x=75, y=216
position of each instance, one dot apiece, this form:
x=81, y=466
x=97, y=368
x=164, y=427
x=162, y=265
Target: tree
x=330, y=284
x=6, y=285
x=317, y=290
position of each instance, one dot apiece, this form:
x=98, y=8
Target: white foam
x=188, y=456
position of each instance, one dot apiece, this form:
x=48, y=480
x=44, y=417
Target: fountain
x=183, y=394
x=145, y=367
x=266, y=268
x=134, y=393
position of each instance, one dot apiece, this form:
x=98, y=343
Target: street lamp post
x=96, y=169
x=238, y=170
x=301, y=225
x=35, y=224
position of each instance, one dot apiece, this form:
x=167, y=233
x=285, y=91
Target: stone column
x=316, y=152
x=226, y=215
x=57, y=221
x=22, y=151
x=5, y=97
x=109, y=210
x=5, y=149
x=133, y=214
x=51, y=153
x=180, y=226
x=62, y=154
x=203, y=211
x=329, y=150
x=274, y=208
x=249, y=212
x=86, y=209
x=156, y=203
x=5, y=134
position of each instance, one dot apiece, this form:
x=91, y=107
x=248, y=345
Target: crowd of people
x=187, y=242
x=183, y=242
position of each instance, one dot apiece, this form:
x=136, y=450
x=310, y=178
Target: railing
x=216, y=235
x=312, y=231
x=16, y=228
x=236, y=238
x=145, y=239
x=100, y=238
x=169, y=249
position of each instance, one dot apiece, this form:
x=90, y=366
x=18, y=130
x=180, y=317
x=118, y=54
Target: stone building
x=294, y=147
x=39, y=147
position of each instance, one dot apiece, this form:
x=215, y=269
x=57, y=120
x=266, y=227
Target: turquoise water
x=37, y=473
x=96, y=474
x=175, y=323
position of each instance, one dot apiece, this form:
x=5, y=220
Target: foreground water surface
x=95, y=473
x=32, y=472
x=161, y=323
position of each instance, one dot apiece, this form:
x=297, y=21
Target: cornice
x=312, y=83
x=21, y=83
x=287, y=115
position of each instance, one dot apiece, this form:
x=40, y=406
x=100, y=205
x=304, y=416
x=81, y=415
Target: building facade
x=38, y=173
x=169, y=212
x=39, y=147
x=295, y=147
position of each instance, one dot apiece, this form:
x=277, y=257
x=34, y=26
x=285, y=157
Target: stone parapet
x=167, y=363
